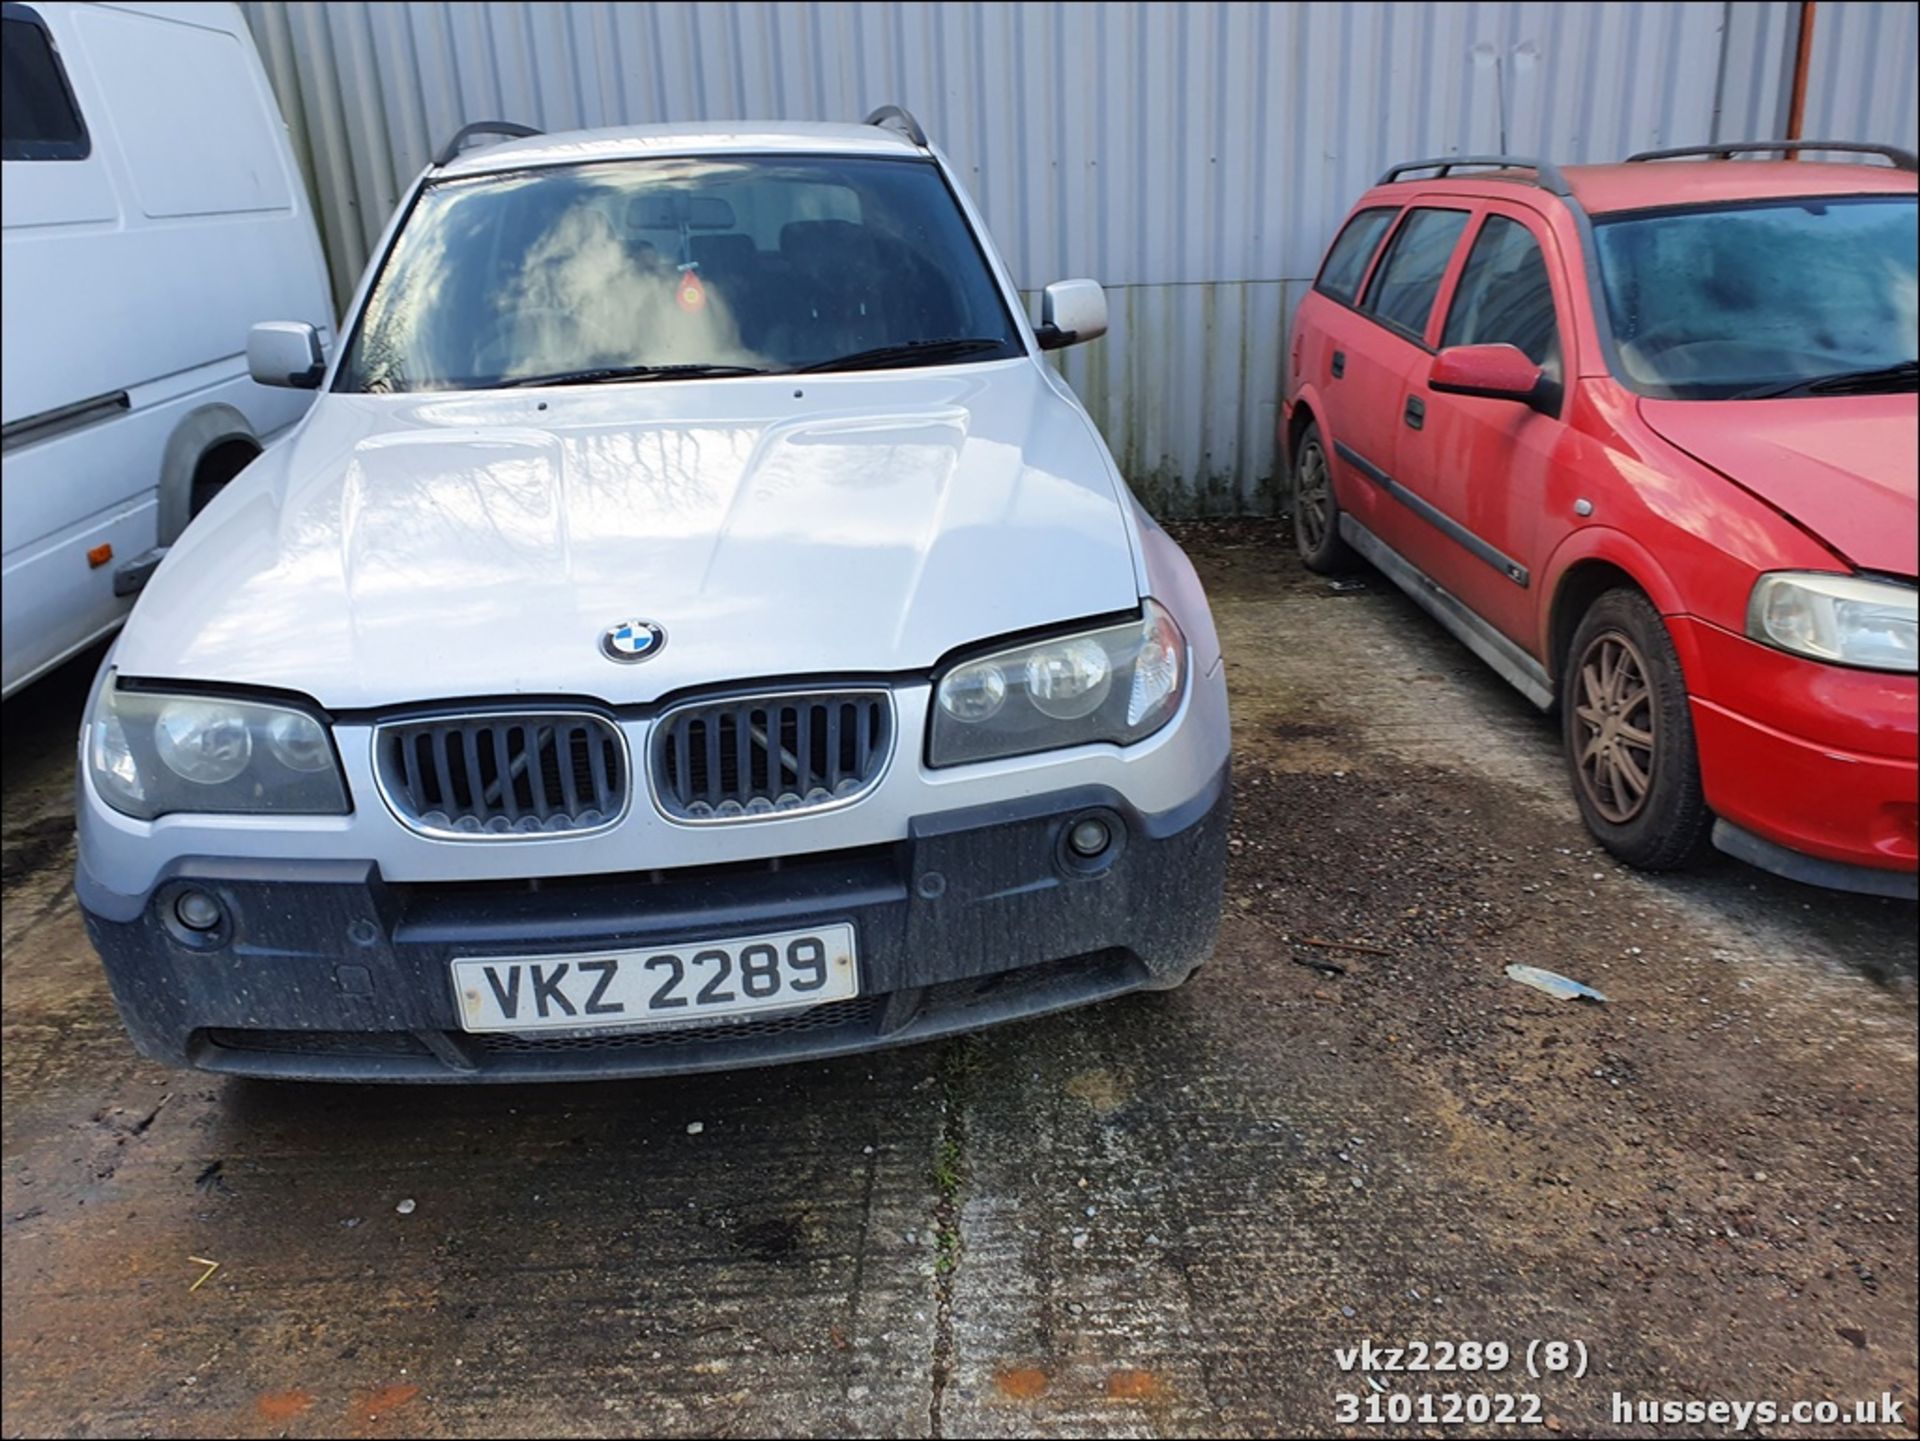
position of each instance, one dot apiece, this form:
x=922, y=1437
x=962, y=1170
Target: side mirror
x=1072, y=312
x=1492, y=372
x=285, y=352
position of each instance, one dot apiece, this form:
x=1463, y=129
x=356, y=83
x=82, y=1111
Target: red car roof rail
x=1551, y=180
x=1902, y=159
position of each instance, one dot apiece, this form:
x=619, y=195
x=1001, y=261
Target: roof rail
x=479, y=127
x=1551, y=180
x=1902, y=159
x=893, y=117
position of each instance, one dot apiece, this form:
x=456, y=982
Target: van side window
x=1504, y=296
x=1347, y=260
x=38, y=117
x=1406, y=281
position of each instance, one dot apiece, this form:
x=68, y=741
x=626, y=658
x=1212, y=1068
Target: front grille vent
x=768, y=755
x=511, y=774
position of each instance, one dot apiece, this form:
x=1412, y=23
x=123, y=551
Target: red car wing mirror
x=1492, y=372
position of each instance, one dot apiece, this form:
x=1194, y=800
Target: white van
x=152, y=213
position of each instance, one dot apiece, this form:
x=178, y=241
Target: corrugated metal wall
x=1194, y=157
x=1862, y=85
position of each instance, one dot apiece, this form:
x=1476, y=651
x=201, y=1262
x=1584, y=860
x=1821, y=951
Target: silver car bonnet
x=414, y=548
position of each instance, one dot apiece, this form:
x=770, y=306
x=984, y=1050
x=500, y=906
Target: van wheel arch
x=207, y=449
x=217, y=466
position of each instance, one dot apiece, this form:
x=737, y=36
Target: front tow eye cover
x=1090, y=843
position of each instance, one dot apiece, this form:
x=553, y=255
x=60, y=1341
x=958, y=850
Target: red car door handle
x=1416, y=412
x=1339, y=364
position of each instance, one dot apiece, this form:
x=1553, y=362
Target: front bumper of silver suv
x=327, y=969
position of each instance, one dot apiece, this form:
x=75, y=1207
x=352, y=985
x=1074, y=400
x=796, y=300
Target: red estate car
x=1643, y=436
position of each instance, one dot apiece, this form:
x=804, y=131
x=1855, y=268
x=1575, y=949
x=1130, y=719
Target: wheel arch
x=214, y=435
x=1305, y=411
x=1592, y=561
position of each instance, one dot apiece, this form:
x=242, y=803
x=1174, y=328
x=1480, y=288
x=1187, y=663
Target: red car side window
x=1346, y=261
x=1404, y=284
x=1504, y=296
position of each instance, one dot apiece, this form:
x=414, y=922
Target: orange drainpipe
x=1802, y=61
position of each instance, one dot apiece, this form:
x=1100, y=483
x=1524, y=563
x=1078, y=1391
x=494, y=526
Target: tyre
x=1316, y=511
x=1629, y=735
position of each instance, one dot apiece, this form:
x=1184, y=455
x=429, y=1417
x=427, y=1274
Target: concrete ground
x=1160, y=1216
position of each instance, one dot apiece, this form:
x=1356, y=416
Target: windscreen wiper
x=600, y=374
x=1880, y=380
x=883, y=355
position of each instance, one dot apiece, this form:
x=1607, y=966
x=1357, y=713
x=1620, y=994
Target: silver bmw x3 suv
x=691, y=629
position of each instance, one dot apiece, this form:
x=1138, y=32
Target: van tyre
x=1628, y=734
x=1316, y=511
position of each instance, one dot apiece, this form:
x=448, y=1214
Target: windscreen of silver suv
x=677, y=267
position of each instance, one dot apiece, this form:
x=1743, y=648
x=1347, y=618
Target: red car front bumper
x=1818, y=761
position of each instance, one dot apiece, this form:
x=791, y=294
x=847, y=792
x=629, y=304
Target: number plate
x=657, y=985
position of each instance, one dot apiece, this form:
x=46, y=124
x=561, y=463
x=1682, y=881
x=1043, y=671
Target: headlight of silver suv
x=1848, y=619
x=1118, y=684
x=151, y=753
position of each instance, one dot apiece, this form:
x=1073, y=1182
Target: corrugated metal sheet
x=1756, y=69
x=1861, y=84
x=1194, y=157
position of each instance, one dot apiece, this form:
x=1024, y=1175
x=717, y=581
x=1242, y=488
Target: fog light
x=197, y=911
x=1089, y=837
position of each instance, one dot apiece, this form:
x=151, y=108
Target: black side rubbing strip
x=1435, y=517
x=49, y=423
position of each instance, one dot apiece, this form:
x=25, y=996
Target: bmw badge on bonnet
x=632, y=640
